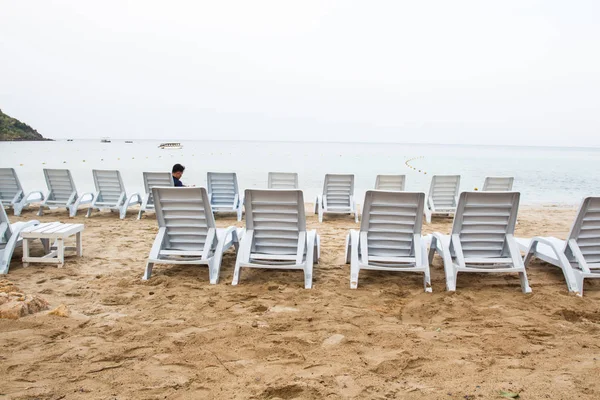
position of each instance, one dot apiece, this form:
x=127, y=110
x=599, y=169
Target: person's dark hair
x=178, y=168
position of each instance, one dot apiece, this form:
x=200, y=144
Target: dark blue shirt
x=177, y=182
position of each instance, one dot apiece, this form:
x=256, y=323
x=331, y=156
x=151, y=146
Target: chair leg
x=61, y=252
x=427, y=273
x=524, y=282
x=579, y=277
x=432, y=249
x=348, y=248
x=451, y=283
x=148, y=271
x=40, y=211
x=317, y=249
x=236, y=274
x=79, y=247
x=308, y=276
x=214, y=267
x=354, y=270
x=427, y=280
x=4, y=261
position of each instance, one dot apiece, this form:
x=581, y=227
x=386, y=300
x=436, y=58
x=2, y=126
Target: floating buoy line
x=407, y=163
x=119, y=159
x=73, y=162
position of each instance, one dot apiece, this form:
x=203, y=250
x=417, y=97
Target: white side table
x=56, y=232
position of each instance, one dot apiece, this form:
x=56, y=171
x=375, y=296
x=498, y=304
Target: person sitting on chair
x=177, y=173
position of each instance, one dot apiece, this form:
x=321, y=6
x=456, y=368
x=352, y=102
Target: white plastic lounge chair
x=276, y=235
x=579, y=256
x=12, y=193
x=224, y=193
x=153, y=179
x=498, y=184
x=283, y=180
x=62, y=192
x=186, y=231
x=394, y=183
x=389, y=238
x=337, y=197
x=443, y=196
x=10, y=238
x=482, y=237
x=110, y=193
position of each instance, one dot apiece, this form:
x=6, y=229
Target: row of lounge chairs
x=110, y=192
x=389, y=239
x=224, y=195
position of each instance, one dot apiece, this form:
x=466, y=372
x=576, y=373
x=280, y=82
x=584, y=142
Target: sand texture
x=114, y=336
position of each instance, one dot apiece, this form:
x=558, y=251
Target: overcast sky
x=476, y=72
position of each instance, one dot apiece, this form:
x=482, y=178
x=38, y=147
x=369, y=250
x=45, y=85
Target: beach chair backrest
x=482, y=221
x=337, y=189
x=60, y=184
x=276, y=217
x=5, y=232
x=444, y=190
x=390, y=220
x=9, y=185
x=186, y=215
x=156, y=179
x=393, y=183
x=586, y=231
x=109, y=185
x=283, y=180
x=223, y=187
x=498, y=184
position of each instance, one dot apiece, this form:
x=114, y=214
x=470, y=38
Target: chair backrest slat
x=338, y=189
x=586, y=231
x=390, y=219
x=276, y=217
x=394, y=183
x=498, y=184
x=482, y=221
x=9, y=185
x=60, y=183
x=444, y=189
x=109, y=185
x=223, y=187
x=283, y=180
x=186, y=215
x=156, y=179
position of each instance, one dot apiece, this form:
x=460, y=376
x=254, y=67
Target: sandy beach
x=177, y=337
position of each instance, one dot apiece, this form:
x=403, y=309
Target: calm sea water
x=542, y=175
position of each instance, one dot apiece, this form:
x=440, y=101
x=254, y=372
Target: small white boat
x=171, y=145
x=105, y=140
